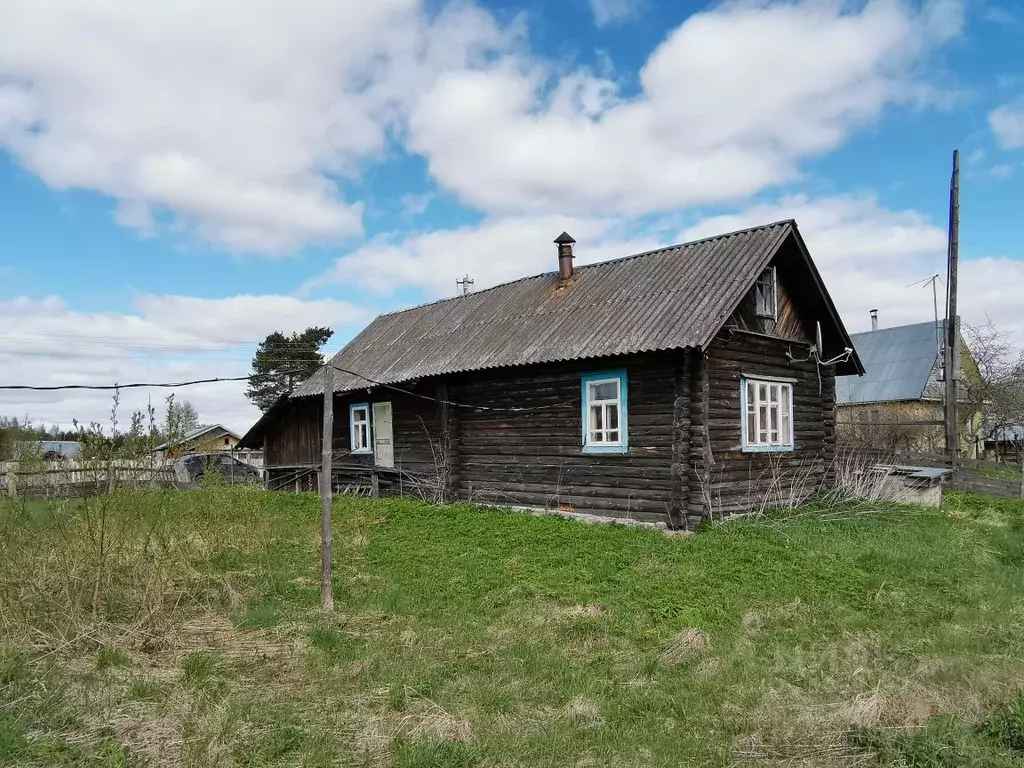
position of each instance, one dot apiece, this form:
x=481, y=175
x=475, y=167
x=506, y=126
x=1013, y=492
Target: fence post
x=1022, y=477
x=12, y=479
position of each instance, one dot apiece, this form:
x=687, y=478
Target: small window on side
x=604, y=416
x=359, y=428
x=765, y=296
x=767, y=414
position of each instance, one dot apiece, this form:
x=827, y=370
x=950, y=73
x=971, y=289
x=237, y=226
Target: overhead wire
x=219, y=379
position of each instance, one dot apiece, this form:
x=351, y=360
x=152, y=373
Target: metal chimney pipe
x=565, y=256
x=874, y=319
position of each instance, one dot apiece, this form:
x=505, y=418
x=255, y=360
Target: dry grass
x=469, y=638
x=684, y=645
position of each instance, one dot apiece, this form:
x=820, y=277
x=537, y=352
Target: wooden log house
x=661, y=387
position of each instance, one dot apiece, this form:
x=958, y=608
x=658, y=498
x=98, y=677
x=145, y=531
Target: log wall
x=534, y=457
x=730, y=480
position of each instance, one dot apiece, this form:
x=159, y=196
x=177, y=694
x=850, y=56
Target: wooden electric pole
x=327, y=460
x=952, y=361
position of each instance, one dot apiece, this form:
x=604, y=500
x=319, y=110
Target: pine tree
x=282, y=362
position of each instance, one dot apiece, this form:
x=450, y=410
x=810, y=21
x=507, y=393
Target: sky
x=179, y=179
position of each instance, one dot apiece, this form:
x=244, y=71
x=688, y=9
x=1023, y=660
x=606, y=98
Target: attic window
x=765, y=295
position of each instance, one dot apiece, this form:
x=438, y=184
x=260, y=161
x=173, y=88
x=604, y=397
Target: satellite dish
x=819, y=347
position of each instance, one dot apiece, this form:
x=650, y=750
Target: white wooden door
x=383, y=436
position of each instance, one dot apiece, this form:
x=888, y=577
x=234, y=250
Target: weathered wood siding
x=789, y=323
x=296, y=436
x=729, y=480
x=535, y=457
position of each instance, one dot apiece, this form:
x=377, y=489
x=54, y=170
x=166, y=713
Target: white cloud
x=1002, y=171
x=494, y=251
x=164, y=338
x=1007, y=123
x=998, y=15
x=607, y=12
x=236, y=117
x=729, y=104
x=416, y=205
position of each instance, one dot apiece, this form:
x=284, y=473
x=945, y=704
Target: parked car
x=230, y=469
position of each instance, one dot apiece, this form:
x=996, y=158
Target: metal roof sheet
x=670, y=298
x=899, y=363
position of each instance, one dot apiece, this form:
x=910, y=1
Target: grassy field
x=183, y=629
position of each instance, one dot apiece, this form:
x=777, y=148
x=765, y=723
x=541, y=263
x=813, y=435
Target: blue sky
x=178, y=182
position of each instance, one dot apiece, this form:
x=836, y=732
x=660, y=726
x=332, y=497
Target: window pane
x=762, y=392
x=773, y=392
x=750, y=397
x=751, y=429
x=596, y=422
x=774, y=418
x=612, y=413
x=613, y=435
x=605, y=390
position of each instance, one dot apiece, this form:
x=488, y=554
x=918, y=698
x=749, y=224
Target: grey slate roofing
x=670, y=298
x=899, y=363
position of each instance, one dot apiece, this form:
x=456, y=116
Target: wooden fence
x=35, y=479
x=977, y=483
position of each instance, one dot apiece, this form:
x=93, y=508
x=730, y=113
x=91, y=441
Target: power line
x=137, y=385
x=374, y=382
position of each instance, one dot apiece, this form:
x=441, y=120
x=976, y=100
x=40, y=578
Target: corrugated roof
x=670, y=298
x=198, y=432
x=898, y=361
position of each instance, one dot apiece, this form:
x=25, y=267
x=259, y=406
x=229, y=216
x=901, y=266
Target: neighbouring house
x=206, y=438
x=898, y=405
x=659, y=387
x=1004, y=441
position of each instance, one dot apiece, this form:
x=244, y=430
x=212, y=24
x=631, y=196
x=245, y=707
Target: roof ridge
x=687, y=244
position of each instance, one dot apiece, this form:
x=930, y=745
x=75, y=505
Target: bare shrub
x=116, y=567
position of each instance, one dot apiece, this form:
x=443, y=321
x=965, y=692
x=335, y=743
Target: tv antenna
x=465, y=283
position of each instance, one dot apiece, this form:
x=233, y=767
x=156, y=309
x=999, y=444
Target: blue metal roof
x=898, y=361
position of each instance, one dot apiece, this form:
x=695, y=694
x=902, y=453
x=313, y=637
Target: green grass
x=1010, y=472
x=469, y=637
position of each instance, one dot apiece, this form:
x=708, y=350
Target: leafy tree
x=283, y=362
x=182, y=418
x=13, y=432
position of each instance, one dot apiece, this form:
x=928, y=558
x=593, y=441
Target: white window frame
x=759, y=397
x=353, y=431
x=602, y=444
x=766, y=295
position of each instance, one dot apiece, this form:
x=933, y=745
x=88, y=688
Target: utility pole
x=952, y=360
x=466, y=283
x=327, y=460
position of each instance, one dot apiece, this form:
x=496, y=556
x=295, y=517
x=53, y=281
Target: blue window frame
x=360, y=441
x=766, y=414
x=605, y=412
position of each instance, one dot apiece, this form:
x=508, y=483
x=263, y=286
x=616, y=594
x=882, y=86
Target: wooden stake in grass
x=327, y=459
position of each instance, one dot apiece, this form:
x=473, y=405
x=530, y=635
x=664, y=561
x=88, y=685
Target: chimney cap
x=564, y=238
